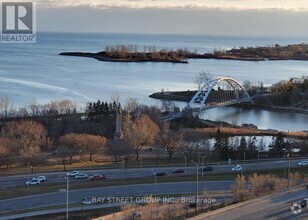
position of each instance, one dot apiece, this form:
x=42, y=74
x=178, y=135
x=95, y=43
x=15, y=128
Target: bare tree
x=140, y=131
x=120, y=148
x=167, y=105
x=4, y=106
x=75, y=144
x=115, y=98
x=201, y=78
x=158, y=152
x=34, y=107
x=30, y=139
x=170, y=140
x=195, y=145
x=132, y=105
x=94, y=143
x=63, y=155
x=247, y=85
x=5, y=151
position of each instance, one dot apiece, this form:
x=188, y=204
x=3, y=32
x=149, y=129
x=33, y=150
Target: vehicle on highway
x=81, y=176
x=178, y=170
x=237, y=168
x=72, y=173
x=303, y=163
x=87, y=201
x=97, y=177
x=159, y=173
x=303, y=203
x=34, y=181
x=41, y=178
x=205, y=169
x=136, y=215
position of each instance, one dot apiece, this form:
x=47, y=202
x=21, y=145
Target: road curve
x=275, y=207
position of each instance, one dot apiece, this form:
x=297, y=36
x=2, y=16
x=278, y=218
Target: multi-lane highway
x=76, y=196
x=59, y=177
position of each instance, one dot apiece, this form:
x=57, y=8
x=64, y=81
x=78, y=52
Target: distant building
x=297, y=80
x=249, y=126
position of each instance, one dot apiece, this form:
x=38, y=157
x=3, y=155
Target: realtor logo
x=18, y=22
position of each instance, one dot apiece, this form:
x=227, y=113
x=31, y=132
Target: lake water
x=36, y=71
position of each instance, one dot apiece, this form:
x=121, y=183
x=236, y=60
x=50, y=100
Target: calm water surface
x=36, y=71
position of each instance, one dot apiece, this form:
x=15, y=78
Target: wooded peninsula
x=122, y=53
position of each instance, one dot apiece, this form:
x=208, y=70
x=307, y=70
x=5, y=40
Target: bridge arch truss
x=221, y=91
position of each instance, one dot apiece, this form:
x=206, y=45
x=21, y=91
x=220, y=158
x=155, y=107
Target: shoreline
x=181, y=98
x=122, y=53
x=101, y=56
x=207, y=56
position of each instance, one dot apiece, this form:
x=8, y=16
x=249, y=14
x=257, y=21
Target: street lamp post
x=185, y=159
x=67, y=189
x=81, y=213
x=122, y=167
x=244, y=161
x=155, y=179
x=28, y=177
x=203, y=165
x=284, y=166
x=197, y=186
x=288, y=172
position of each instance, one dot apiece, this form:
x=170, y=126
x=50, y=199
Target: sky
x=205, y=17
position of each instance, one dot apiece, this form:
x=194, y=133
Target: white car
x=81, y=176
x=72, y=173
x=237, y=168
x=41, y=178
x=34, y=181
x=303, y=163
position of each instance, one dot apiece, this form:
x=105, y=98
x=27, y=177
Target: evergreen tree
x=222, y=146
x=252, y=147
x=243, y=144
x=278, y=145
x=226, y=150
x=218, y=142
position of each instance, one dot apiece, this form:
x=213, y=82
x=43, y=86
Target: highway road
x=76, y=196
x=113, y=174
x=276, y=207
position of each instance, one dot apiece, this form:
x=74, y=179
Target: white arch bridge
x=221, y=91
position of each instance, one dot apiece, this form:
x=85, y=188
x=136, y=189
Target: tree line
x=29, y=141
x=7, y=109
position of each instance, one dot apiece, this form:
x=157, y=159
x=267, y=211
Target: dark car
x=159, y=173
x=303, y=203
x=206, y=169
x=178, y=170
x=97, y=177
